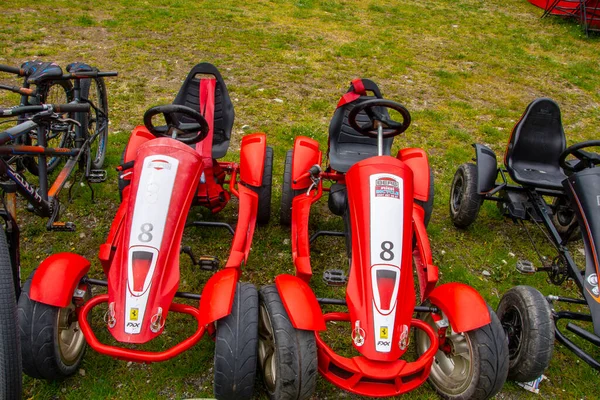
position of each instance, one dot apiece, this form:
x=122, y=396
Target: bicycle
x=54, y=87
x=44, y=203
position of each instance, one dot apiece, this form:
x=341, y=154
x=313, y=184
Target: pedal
x=97, y=176
x=61, y=227
x=335, y=277
x=525, y=267
x=208, y=263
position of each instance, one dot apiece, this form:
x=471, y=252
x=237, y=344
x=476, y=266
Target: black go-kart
x=558, y=189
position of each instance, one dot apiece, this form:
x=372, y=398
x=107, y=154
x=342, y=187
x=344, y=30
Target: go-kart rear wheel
x=527, y=320
x=264, y=191
x=52, y=344
x=565, y=220
x=235, y=348
x=464, y=199
x=287, y=356
x=10, y=353
x=428, y=205
x=473, y=366
x=287, y=193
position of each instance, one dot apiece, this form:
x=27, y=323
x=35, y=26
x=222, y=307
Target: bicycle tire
x=94, y=90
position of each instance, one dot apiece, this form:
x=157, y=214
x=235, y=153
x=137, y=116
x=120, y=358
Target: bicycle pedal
x=97, y=176
x=208, y=263
x=525, y=267
x=62, y=227
x=335, y=277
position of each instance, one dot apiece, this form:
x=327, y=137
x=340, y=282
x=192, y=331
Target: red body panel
x=306, y=154
x=139, y=136
x=416, y=159
x=217, y=296
x=57, y=277
x=244, y=230
x=465, y=308
x=252, y=158
x=300, y=240
x=300, y=303
x=165, y=276
x=427, y=273
x=360, y=294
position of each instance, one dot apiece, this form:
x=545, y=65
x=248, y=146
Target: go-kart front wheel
x=470, y=365
x=287, y=356
x=464, y=199
x=235, y=348
x=527, y=320
x=52, y=344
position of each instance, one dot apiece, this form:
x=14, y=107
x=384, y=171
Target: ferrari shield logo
x=133, y=314
x=383, y=332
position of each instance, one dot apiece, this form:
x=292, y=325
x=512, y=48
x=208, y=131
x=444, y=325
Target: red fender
x=57, y=277
x=217, y=296
x=244, y=230
x=416, y=159
x=300, y=303
x=306, y=154
x=427, y=273
x=139, y=136
x=252, y=158
x=465, y=308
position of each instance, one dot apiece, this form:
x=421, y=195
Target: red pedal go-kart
x=167, y=169
x=385, y=202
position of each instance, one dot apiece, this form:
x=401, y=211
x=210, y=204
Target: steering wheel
x=376, y=111
x=185, y=132
x=586, y=159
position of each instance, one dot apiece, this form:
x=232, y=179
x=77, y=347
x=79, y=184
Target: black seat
x=347, y=146
x=189, y=95
x=536, y=142
x=38, y=71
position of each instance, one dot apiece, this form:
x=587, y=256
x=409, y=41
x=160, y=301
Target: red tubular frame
x=138, y=355
x=375, y=378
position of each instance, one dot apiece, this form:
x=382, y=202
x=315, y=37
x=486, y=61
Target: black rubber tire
x=287, y=193
x=428, y=205
x=236, y=342
x=31, y=163
x=265, y=190
x=10, y=351
x=488, y=362
x=93, y=119
x=38, y=329
x=295, y=352
x=527, y=320
x=563, y=222
x=464, y=199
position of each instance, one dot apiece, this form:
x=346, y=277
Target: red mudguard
x=57, y=277
x=300, y=303
x=465, y=308
x=217, y=296
x=380, y=293
x=427, y=273
x=306, y=154
x=252, y=158
x=416, y=159
x=144, y=273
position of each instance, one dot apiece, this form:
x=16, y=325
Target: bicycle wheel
x=96, y=121
x=53, y=92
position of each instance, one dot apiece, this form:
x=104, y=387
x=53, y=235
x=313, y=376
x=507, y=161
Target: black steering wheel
x=586, y=159
x=185, y=132
x=376, y=111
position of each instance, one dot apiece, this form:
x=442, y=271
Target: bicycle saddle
x=38, y=71
x=79, y=66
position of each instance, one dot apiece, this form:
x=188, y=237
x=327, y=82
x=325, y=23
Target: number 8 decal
x=387, y=254
x=145, y=236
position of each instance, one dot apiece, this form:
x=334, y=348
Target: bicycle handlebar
x=61, y=108
x=12, y=70
x=88, y=74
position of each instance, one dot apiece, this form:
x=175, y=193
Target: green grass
x=466, y=70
